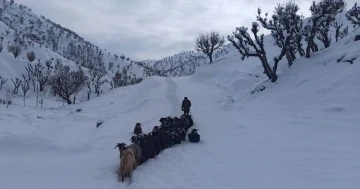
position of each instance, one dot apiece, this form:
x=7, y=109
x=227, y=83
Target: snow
x=300, y=132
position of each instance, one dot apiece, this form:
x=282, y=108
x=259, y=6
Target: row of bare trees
x=65, y=83
x=288, y=29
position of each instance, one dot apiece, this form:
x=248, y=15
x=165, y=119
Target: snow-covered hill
x=182, y=64
x=51, y=43
x=301, y=131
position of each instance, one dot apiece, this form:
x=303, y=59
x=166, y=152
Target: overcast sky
x=151, y=29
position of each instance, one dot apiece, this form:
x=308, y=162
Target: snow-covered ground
x=301, y=132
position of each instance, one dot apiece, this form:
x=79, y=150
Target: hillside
x=300, y=131
x=182, y=64
x=51, y=44
x=28, y=26
x=243, y=138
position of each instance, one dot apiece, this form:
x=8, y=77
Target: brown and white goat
x=127, y=164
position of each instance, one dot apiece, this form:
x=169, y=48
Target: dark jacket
x=186, y=104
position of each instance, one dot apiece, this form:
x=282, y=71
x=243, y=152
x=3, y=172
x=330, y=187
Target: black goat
x=137, y=129
x=194, y=136
x=172, y=131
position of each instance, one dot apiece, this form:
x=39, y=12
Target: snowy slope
x=50, y=41
x=184, y=63
x=12, y=68
x=300, y=132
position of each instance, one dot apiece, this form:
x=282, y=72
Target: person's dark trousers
x=186, y=112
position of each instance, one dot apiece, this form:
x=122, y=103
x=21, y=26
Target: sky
x=151, y=29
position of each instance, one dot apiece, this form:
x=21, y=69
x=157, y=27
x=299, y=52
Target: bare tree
x=339, y=33
x=15, y=50
x=31, y=56
x=25, y=87
x=98, y=82
x=111, y=67
x=242, y=41
x=9, y=95
x=283, y=29
x=2, y=81
x=208, y=43
x=88, y=85
x=66, y=83
x=16, y=83
x=111, y=85
x=44, y=95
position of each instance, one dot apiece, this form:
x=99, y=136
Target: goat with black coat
x=137, y=129
x=147, y=145
x=193, y=136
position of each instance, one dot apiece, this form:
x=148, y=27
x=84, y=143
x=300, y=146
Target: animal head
x=156, y=128
x=137, y=125
x=121, y=146
x=194, y=130
x=162, y=120
x=133, y=139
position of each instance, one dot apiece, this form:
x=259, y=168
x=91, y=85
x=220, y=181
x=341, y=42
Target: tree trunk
x=37, y=94
x=266, y=66
x=308, y=48
x=289, y=58
x=68, y=101
x=210, y=58
x=24, y=101
x=292, y=55
x=88, y=97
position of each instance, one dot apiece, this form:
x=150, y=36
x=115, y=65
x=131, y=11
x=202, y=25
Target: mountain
x=51, y=43
x=181, y=64
x=300, y=131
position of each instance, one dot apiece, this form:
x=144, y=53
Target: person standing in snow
x=186, y=104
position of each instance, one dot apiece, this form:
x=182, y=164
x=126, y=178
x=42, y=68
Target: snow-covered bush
x=323, y=13
x=285, y=26
x=242, y=41
x=353, y=15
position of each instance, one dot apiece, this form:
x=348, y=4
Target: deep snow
x=300, y=132
x=271, y=141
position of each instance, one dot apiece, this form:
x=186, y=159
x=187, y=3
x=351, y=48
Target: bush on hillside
x=15, y=50
x=65, y=82
x=31, y=56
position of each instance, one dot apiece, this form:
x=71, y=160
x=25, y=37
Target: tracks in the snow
x=172, y=98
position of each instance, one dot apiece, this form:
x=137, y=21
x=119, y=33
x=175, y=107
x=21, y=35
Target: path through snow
x=171, y=89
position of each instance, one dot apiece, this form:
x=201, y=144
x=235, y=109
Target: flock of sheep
x=172, y=131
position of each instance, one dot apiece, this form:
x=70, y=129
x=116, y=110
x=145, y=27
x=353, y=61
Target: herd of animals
x=172, y=131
